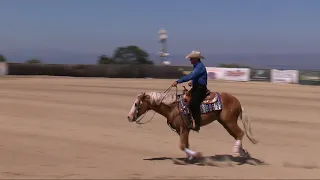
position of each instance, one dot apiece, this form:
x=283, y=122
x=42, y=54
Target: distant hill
x=278, y=61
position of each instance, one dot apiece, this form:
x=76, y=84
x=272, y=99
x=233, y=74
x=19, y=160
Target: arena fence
x=164, y=72
x=3, y=68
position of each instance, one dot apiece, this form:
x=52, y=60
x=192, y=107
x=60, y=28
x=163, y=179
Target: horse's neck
x=164, y=110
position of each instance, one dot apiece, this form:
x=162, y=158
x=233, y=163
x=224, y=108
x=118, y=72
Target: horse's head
x=139, y=107
x=151, y=101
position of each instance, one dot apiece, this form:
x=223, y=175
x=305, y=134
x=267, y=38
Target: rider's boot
x=195, y=124
x=190, y=121
x=198, y=119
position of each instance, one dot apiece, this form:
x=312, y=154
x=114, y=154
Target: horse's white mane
x=156, y=97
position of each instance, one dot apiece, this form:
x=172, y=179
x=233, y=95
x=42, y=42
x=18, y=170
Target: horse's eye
x=135, y=104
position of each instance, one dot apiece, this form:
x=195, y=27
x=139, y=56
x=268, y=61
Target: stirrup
x=193, y=123
x=194, y=126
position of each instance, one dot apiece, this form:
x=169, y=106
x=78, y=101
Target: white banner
x=215, y=72
x=3, y=68
x=284, y=76
x=236, y=74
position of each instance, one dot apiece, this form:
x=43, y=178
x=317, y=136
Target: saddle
x=211, y=97
x=209, y=104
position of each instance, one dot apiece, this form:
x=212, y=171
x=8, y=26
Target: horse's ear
x=140, y=95
x=143, y=95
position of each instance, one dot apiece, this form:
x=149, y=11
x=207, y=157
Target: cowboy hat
x=194, y=54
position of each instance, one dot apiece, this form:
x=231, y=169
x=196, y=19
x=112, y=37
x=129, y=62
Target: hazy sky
x=211, y=26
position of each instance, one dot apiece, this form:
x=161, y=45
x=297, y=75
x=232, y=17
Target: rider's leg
x=197, y=97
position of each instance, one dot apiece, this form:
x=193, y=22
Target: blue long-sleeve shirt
x=198, y=75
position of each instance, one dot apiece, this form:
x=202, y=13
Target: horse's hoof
x=178, y=162
x=244, y=153
x=236, y=154
x=188, y=156
x=198, y=155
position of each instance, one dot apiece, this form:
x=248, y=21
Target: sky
x=210, y=26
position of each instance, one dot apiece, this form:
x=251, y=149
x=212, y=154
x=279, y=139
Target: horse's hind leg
x=230, y=124
x=237, y=148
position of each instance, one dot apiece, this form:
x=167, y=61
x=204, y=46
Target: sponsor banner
x=284, y=76
x=309, y=78
x=236, y=74
x=260, y=75
x=215, y=72
x=3, y=68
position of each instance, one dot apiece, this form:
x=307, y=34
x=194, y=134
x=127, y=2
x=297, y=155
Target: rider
x=199, y=85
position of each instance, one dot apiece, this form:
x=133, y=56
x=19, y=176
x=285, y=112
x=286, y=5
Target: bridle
x=138, y=106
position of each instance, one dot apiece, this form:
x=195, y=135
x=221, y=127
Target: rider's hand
x=174, y=84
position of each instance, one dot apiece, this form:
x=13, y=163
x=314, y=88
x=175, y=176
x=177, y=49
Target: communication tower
x=163, y=51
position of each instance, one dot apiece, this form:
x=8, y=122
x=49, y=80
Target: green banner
x=309, y=78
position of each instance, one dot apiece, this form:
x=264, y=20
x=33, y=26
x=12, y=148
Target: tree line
x=125, y=55
x=122, y=55
x=30, y=61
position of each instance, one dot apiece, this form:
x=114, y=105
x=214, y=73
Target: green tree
x=103, y=59
x=131, y=55
x=33, y=61
x=2, y=58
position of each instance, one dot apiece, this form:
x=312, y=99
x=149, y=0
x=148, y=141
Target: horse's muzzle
x=130, y=119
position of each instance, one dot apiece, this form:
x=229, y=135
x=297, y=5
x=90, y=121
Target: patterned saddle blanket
x=211, y=103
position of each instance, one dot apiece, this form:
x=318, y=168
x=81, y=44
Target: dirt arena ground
x=53, y=127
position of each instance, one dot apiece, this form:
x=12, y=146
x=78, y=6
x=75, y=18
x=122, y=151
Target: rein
x=166, y=92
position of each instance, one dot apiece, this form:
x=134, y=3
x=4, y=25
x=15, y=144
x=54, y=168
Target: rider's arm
x=195, y=73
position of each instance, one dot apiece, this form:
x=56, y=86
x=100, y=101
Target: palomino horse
x=219, y=106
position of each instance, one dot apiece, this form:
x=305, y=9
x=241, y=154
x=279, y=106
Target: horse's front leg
x=184, y=142
x=184, y=145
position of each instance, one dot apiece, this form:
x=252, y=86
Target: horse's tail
x=247, y=126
